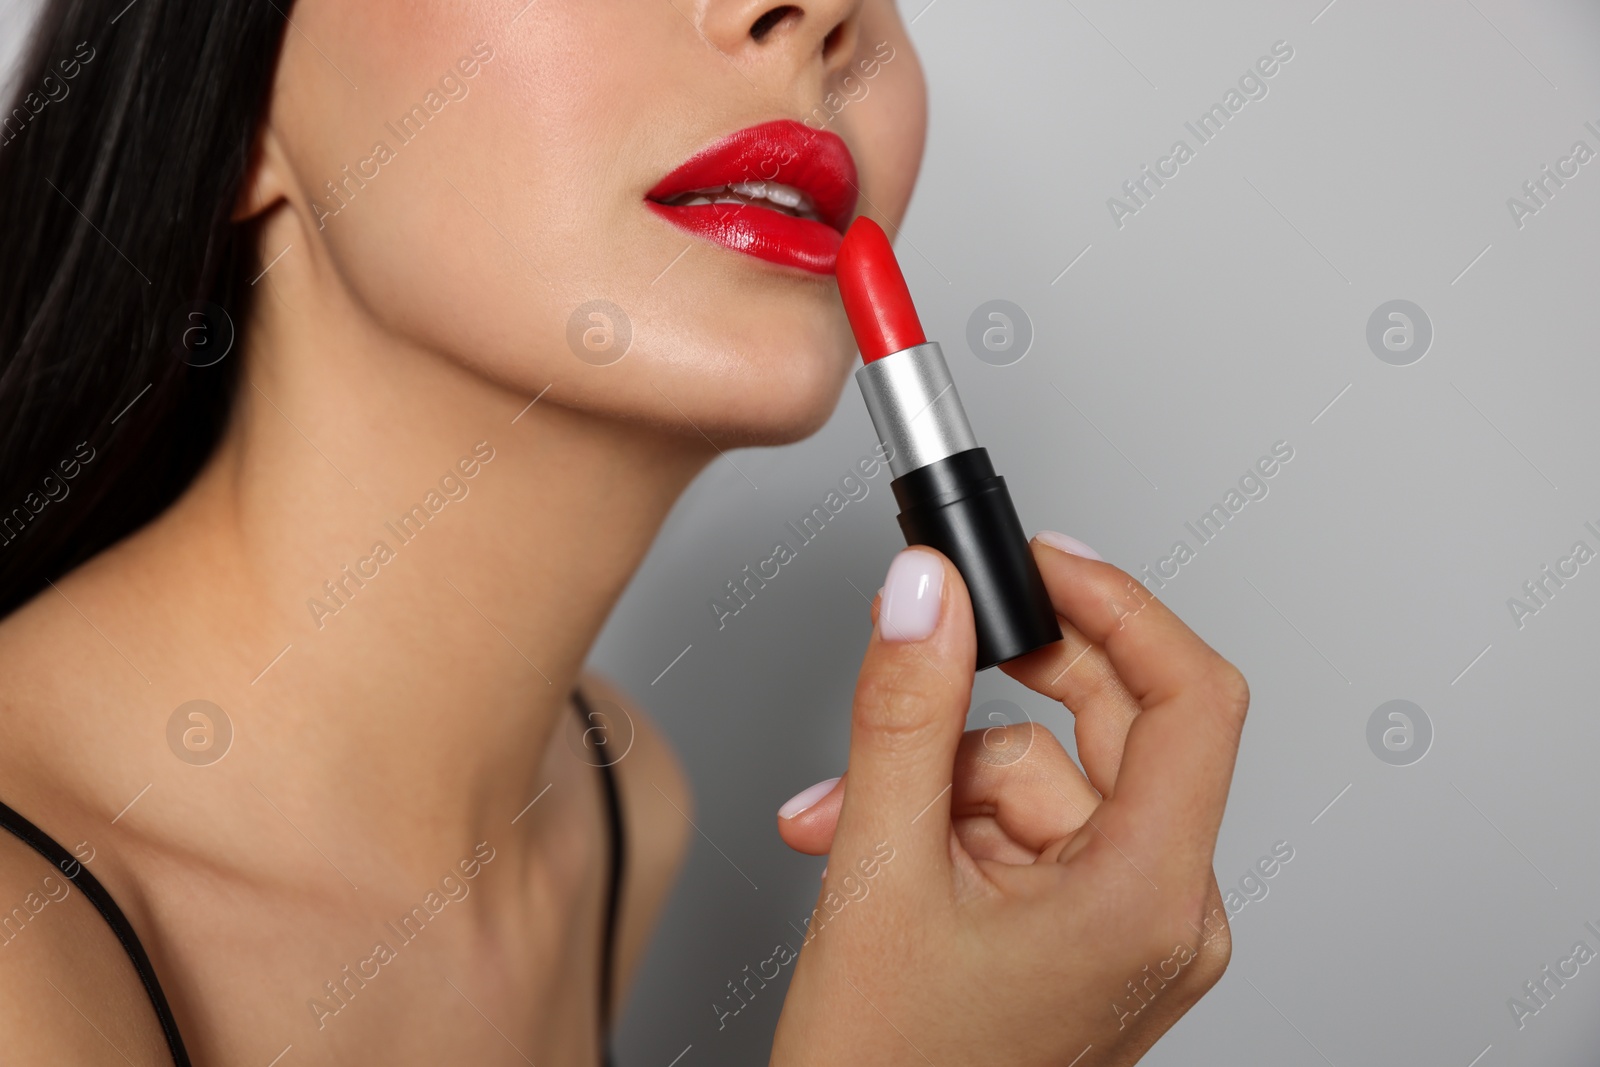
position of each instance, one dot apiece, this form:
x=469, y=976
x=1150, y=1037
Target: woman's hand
x=986, y=901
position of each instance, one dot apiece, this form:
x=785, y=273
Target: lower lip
x=760, y=232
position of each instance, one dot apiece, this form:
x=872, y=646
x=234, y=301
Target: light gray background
x=1225, y=316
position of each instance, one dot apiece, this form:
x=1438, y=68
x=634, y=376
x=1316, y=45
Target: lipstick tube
x=949, y=495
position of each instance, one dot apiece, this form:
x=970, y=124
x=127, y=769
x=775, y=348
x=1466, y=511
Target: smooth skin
x=377, y=748
x=1032, y=913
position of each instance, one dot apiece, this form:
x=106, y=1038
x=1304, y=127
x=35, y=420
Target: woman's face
x=503, y=182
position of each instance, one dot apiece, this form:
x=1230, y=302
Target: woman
x=354, y=354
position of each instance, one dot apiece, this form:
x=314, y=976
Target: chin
x=766, y=365
x=786, y=400
x=764, y=370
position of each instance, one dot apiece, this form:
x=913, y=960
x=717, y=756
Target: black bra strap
x=618, y=867
x=69, y=866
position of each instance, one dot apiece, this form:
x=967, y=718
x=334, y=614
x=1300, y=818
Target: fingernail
x=910, y=610
x=824, y=870
x=805, y=798
x=1069, y=545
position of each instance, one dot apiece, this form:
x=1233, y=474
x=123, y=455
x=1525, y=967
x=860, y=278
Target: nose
x=799, y=41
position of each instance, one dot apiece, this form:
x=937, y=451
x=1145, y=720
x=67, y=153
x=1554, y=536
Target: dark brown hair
x=122, y=278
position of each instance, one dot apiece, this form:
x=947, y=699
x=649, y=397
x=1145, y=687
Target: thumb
x=909, y=713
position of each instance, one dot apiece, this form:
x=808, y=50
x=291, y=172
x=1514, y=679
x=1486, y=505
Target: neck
x=437, y=564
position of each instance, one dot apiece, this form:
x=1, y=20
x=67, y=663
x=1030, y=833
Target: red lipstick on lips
x=949, y=495
x=781, y=192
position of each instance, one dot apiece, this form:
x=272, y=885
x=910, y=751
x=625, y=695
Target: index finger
x=1178, y=760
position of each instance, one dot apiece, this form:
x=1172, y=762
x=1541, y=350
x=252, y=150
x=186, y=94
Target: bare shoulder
x=657, y=806
x=653, y=779
x=60, y=962
x=50, y=678
x=60, y=966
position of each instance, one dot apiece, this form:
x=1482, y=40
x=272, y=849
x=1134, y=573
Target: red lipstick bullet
x=949, y=495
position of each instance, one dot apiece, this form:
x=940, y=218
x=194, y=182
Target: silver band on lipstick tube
x=915, y=408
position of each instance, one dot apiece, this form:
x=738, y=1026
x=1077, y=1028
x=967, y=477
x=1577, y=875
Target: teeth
x=787, y=197
x=782, y=194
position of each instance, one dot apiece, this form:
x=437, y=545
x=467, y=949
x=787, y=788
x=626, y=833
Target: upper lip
x=785, y=152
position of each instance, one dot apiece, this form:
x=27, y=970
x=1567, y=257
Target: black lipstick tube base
x=961, y=507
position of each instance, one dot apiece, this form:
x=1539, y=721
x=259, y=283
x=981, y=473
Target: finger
x=1152, y=650
x=1178, y=759
x=1020, y=778
x=807, y=821
x=909, y=710
x=1016, y=793
x=1079, y=674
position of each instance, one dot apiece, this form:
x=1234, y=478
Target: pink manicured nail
x=1069, y=545
x=910, y=610
x=806, y=798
